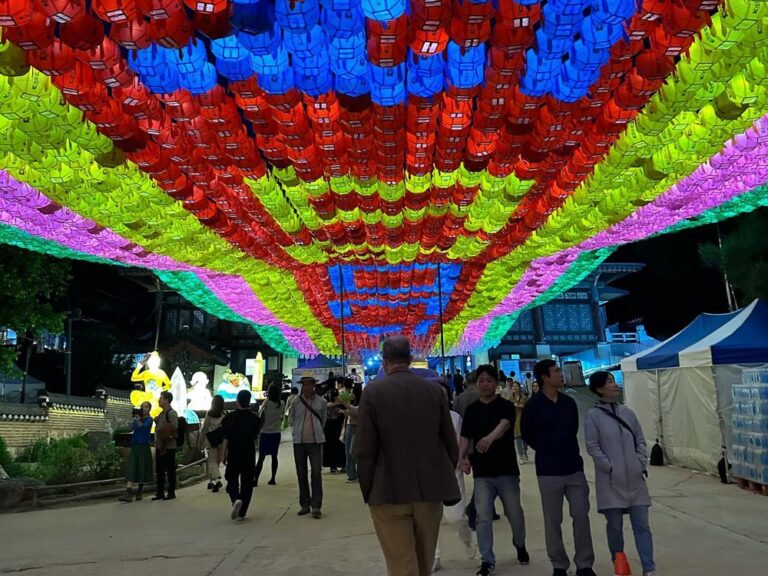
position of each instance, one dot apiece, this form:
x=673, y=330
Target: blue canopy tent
x=320, y=367
x=680, y=389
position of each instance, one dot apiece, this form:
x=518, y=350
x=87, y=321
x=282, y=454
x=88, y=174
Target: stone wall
x=22, y=424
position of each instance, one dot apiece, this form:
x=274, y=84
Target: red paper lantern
x=85, y=33
x=15, y=12
x=55, y=60
x=35, y=35
x=131, y=34
x=62, y=11
x=114, y=10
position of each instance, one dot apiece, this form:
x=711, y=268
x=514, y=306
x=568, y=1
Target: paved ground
x=700, y=528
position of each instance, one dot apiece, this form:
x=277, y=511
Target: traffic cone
x=621, y=565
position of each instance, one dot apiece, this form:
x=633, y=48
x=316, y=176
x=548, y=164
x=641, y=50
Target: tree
x=744, y=256
x=31, y=284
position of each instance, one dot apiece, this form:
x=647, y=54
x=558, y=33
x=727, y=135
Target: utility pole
x=343, y=343
x=440, y=308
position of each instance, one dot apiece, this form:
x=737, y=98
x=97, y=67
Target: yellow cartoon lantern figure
x=153, y=379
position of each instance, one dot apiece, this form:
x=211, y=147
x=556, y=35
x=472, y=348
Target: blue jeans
x=349, y=445
x=638, y=516
x=507, y=488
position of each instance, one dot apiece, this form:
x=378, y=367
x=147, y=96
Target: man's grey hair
x=397, y=349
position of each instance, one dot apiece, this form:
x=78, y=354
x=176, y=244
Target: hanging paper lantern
x=13, y=61
x=171, y=32
x=206, y=6
x=131, y=34
x=84, y=34
x=465, y=65
x=62, y=11
x=214, y=25
x=297, y=15
x=254, y=17
x=189, y=59
x=115, y=10
x=383, y=10
x=35, y=35
x=199, y=81
x=228, y=48
x=15, y=12
x=54, y=60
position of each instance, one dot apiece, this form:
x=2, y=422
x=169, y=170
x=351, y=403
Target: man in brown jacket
x=406, y=458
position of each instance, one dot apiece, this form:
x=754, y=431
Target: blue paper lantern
x=164, y=81
x=229, y=48
x=270, y=63
x=568, y=7
x=558, y=24
x=341, y=4
x=551, y=48
x=260, y=44
x=613, y=11
x=383, y=10
x=352, y=86
x=312, y=75
x=586, y=57
x=235, y=70
x=152, y=60
x=348, y=55
x=343, y=23
x=200, y=81
x=278, y=83
x=601, y=35
x=294, y=15
x=304, y=43
x=387, y=84
x=253, y=17
x=190, y=58
x=466, y=66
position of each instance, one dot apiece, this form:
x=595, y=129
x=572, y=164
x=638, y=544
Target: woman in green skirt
x=139, y=470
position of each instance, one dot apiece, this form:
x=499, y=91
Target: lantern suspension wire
x=440, y=308
x=343, y=345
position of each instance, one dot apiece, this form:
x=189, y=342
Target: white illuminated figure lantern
x=179, y=391
x=199, y=396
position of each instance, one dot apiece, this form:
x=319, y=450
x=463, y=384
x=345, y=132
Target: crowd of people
x=409, y=443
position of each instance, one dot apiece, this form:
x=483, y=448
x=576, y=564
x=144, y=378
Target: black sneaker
x=486, y=568
x=210, y=485
x=560, y=572
x=303, y=512
x=522, y=555
x=585, y=572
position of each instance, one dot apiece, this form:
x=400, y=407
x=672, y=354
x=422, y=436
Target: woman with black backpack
x=616, y=443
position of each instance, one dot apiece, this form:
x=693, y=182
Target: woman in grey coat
x=616, y=443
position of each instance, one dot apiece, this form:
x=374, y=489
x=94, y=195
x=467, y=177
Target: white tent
x=680, y=389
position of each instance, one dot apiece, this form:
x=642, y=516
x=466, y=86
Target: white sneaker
x=236, y=505
x=652, y=573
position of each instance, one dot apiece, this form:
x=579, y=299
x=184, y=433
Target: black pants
x=333, y=450
x=239, y=476
x=165, y=465
x=314, y=454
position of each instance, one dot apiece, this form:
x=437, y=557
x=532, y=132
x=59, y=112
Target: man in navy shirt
x=550, y=425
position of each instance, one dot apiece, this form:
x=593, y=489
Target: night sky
x=674, y=287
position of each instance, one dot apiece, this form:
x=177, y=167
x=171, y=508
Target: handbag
x=215, y=437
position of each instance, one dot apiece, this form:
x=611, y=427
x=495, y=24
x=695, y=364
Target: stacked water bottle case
x=750, y=428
